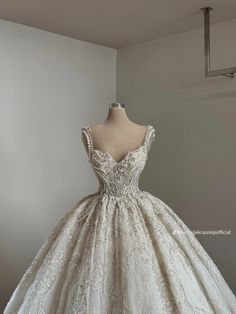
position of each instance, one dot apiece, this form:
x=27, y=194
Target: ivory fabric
x=121, y=250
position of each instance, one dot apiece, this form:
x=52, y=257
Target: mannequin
x=117, y=135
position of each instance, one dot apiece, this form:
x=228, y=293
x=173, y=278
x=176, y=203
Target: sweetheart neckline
x=124, y=157
x=149, y=127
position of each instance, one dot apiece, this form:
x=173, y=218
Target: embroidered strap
x=150, y=137
x=87, y=140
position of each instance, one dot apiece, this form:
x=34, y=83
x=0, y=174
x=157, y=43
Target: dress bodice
x=118, y=178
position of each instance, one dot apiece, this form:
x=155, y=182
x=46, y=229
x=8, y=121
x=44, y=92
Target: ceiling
x=115, y=23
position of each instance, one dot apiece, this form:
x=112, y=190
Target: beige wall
x=50, y=86
x=192, y=163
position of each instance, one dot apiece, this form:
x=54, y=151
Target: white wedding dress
x=121, y=251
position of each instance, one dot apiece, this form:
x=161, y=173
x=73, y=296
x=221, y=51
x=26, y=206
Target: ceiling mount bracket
x=228, y=72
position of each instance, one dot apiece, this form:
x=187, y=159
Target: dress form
x=117, y=134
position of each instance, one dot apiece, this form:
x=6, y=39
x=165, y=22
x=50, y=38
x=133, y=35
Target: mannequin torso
x=117, y=135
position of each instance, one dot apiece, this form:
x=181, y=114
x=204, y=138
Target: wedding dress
x=121, y=250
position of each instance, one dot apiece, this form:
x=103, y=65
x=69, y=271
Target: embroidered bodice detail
x=118, y=178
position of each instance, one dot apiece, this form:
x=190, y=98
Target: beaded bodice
x=118, y=178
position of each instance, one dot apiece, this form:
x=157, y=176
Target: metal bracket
x=229, y=72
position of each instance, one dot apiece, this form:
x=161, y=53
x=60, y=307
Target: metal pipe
x=229, y=72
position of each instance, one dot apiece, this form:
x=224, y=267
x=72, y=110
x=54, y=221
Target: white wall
x=192, y=162
x=50, y=86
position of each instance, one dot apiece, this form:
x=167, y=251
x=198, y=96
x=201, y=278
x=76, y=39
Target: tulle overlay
x=122, y=254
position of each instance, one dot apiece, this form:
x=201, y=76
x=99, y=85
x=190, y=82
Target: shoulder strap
x=87, y=140
x=150, y=137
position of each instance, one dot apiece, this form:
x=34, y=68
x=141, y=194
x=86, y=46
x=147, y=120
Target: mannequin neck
x=117, y=115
